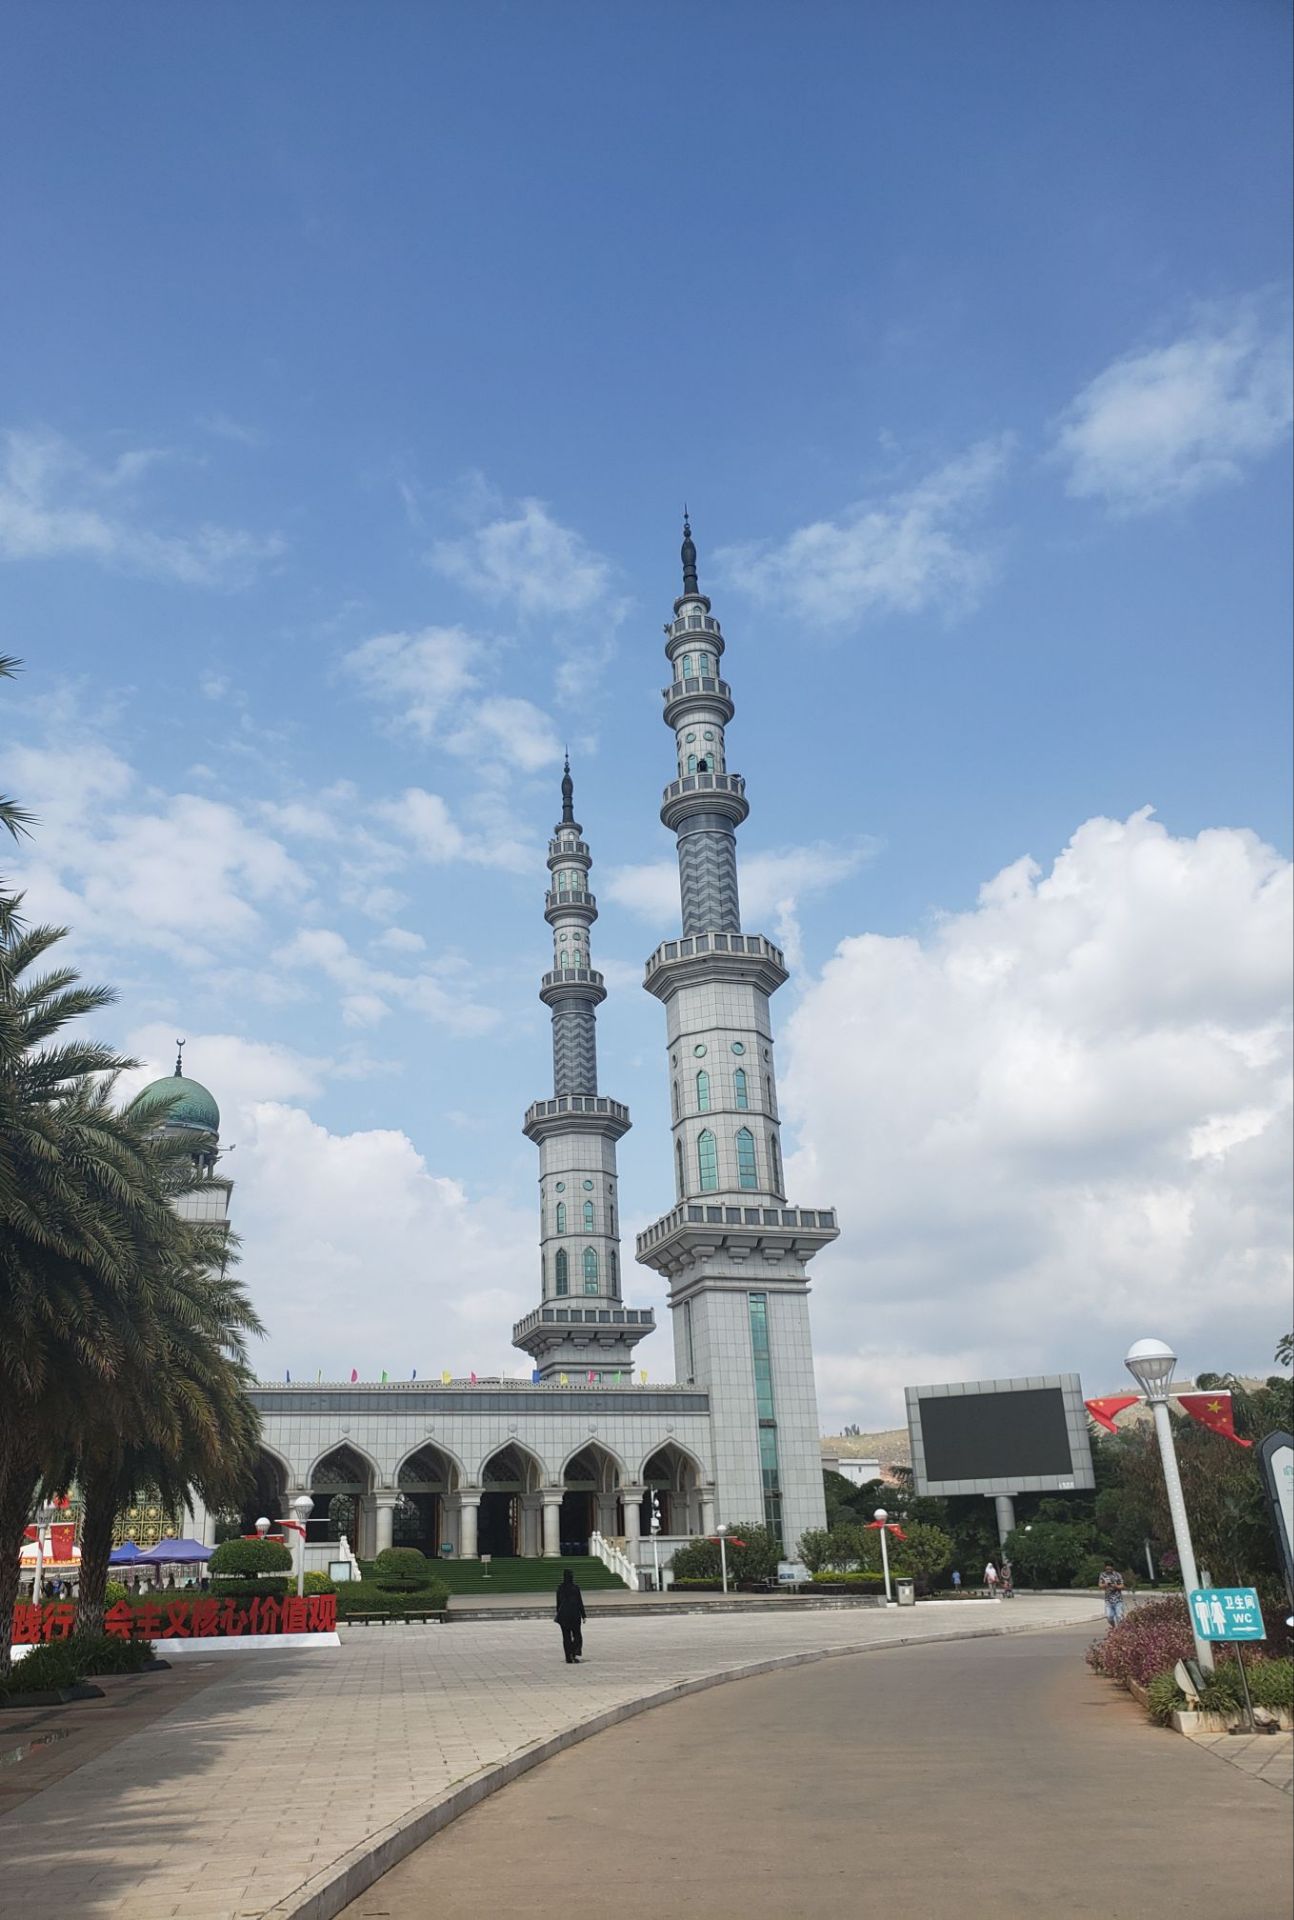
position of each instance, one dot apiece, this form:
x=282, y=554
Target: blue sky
x=356, y=365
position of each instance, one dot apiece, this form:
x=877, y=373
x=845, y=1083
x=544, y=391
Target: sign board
x=1227, y=1613
x=1000, y=1436
x=206, y=1619
x=791, y=1573
x=340, y=1571
x=1276, y=1467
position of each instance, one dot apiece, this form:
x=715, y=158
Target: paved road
x=990, y=1778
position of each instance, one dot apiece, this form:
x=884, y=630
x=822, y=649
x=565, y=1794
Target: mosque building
x=588, y=1446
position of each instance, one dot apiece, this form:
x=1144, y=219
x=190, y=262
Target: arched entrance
x=424, y=1480
x=267, y=1497
x=506, y=1478
x=588, y=1497
x=340, y=1481
x=672, y=1476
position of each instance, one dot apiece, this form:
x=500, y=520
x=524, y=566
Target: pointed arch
x=676, y=1099
x=707, y=1162
x=739, y=1091
x=776, y=1158
x=345, y=1466
x=678, y=1166
x=703, y=1091
x=691, y=763
x=591, y=1284
x=429, y=1467
x=560, y=1224
x=747, y=1165
x=562, y=1273
x=608, y=1469
x=588, y=1216
x=511, y=1467
x=670, y=1464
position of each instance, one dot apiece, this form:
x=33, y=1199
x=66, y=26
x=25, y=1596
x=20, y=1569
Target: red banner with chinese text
x=205, y=1618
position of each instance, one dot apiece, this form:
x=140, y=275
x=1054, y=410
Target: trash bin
x=906, y=1592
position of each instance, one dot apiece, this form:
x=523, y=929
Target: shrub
x=699, y=1560
x=1271, y=1683
x=926, y=1550
x=113, y=1591
x=366, y=1596
x=319, y=1583
x=864, y=1582
x=1164, y=1698
x=109, y=1653
x=696, y=1586
x=44, y=1670
x=1148, y=1640
x=244, y=1567
x=402, y=1569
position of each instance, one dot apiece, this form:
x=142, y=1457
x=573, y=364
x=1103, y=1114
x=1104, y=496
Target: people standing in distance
x=957, y=1581
x=990, y=1579
x=570, y=1618
x=1110, y=1581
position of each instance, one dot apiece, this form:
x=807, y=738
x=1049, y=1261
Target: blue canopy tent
x=126, y=1555
x=176, y=1553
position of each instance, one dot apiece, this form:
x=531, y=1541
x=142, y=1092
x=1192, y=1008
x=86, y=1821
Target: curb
x=325, y=1895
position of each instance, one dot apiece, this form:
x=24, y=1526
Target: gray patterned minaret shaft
x=732, y=1249
x=582, y=1325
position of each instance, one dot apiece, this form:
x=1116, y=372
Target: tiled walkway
x=249, y=1796
x=1265, y=1756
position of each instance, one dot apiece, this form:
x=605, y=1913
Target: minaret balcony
x=576, y=1113
x=600, y=1324
x=581, y=906
x=719, y=1228
x=688, y=625
x=573, y=983
x=747, y=958
x=697, y=692
x=574, y=850
x=704, y=793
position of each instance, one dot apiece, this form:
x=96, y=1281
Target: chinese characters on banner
x=208, y=1617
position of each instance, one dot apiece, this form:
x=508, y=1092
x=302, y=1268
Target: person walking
x=990, y=1580
x=1110, y=1581
x=570, y=1617
x=957, y=1581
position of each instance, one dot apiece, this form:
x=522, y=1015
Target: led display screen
x=995, y=1436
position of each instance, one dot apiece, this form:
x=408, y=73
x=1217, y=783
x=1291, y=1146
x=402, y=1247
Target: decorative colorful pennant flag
x=563, y=1380
x=384, y=1373
x=287, y=1376
x=1212, y=1410
x=354, y=1373
x=592, y=1377
x=1104, y=1410
x=619, y=1376
x=445, y=1378
x=643, y=1376
x=472, y=1378
x=534, y=1377
x=319, y=1374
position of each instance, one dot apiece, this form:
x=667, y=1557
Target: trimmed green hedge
x=403, y=1570
x=366, y=1596
x=240, y=1569
x=64, y=1663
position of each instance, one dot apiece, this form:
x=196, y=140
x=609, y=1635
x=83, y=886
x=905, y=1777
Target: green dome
x=194, y=1106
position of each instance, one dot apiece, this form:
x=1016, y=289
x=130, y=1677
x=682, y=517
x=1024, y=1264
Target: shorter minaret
x=582, y=1326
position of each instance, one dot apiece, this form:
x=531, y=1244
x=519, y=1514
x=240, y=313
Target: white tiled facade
x=736, y=1439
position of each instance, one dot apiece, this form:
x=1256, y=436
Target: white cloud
x=507, y=728
x=331, y=1219
x=527, y=561
x=56, y=504
x=905, y=553
x=368, y=992
x=239, y=1072
x=421, y=675
x=1059, y=1123
x=1166, y=423
x=773, y=883
x=425, y=820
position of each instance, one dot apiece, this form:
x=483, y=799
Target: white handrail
x=615, y=1559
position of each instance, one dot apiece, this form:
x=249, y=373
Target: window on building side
x=561, y=1216
x=590, y=1269
x=691, y=763
x=613, y=1263
x=739, y=1093
x=703, y=1092
x=689, y=665
x=707, y=1161
x=676, y=1099
x=678, y=1169
x=747, y=1170
x=776, y=1158
x=563, y=1271
x=588, y=1216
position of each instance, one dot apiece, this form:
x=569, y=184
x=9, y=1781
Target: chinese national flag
x=1103, y=1411
x=61, y=1541
x=1212, y=1410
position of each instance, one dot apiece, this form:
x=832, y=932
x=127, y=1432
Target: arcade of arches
x=512, y=1510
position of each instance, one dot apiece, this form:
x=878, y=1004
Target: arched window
x=563, y=1271
x=590, y=1269
x=776, y=1159
x=739, y=1093
x=678, y=1158
x=563, y=880
x=676, y=1099
x=561, y=1216
x=707, y=1161
x=588, y=1216
x=689, y=665
x=614, y=1264
x=691, y=763
x=747, y=1171
x=703, y=1092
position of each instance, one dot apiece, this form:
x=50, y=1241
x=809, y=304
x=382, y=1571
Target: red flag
x=1212, y=1410
x=471, y=1379
x=354, y=1373
x=62, y=1538
x=1103, y=1411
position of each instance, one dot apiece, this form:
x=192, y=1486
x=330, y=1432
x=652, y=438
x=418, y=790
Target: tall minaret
x=734, y=1253
x=583, y=1326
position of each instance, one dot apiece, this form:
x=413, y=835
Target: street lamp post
x=44, y=1514
x=302, y=1507
x=655, y=1536
x=881, y=1517
x=722, y=1531
x=1151, y=1364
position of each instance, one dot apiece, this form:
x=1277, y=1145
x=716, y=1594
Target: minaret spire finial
x=689, y=556
x=568, y=795
x=180, y=1045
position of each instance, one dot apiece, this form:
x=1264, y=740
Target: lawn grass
x=519, y=1576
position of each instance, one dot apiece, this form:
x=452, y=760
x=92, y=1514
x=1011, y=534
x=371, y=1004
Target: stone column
x=1004, y=1504
x=632, y=1497
x=552, y=1526
x=468, y=1507
x=365, y=1526
x=707, y=1510
x=530, y=1528
x=385, y=1503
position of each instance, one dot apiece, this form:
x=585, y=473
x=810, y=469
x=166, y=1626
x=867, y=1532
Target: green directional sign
x=1227, y=1613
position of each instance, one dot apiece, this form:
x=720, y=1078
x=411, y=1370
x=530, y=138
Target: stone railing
x=614, y=1559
